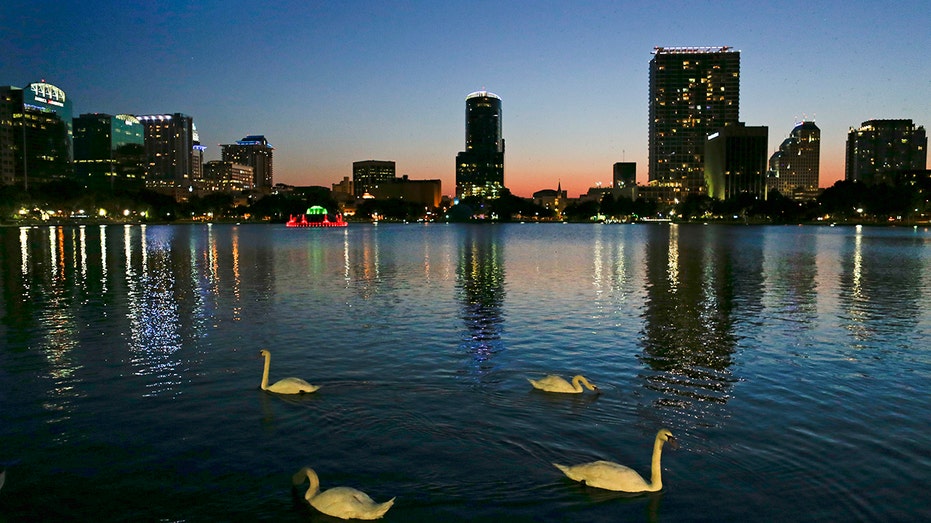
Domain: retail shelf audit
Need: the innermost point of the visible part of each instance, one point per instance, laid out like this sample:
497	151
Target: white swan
287	385
611	476
553	383
340	502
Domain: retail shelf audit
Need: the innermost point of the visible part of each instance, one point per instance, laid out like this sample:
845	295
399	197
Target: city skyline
334	84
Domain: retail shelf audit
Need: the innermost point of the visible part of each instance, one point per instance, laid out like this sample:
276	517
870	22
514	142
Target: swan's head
264	353
665	435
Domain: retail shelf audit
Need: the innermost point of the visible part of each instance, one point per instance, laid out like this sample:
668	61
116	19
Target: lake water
792	364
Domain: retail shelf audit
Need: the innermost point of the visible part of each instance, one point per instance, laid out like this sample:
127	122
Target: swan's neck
268	361
577	383
656	478
314	485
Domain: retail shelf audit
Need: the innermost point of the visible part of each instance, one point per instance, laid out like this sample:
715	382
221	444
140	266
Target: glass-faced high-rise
694	91
109	151
794	168
480	168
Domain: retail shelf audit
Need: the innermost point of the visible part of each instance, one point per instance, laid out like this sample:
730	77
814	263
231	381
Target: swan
553	383
286	385
612	476
340	502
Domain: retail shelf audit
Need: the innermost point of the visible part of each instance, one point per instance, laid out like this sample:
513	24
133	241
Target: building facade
169	142
735	161
480	168
425	192
109	151
256	152
224	176
879	149
693	92
625	175
367	175
11	135
794	168
35	134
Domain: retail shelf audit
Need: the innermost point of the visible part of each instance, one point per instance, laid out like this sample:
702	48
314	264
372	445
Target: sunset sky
329	83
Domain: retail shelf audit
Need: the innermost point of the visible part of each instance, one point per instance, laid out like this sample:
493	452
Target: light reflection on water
790	362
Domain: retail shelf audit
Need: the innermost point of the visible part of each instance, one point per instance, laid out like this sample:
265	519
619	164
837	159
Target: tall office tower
794	168
169	140
694	91
35	134
367	174
256	152
735	161
625	175
881	148
197	160
109	151
480	168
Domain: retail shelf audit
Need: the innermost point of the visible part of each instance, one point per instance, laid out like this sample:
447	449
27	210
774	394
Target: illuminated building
795	167
224	176
693	92
735	161
555	200
368	174
878	149
109	151
480	168
343	187
197	160
256	152
169	143
35	134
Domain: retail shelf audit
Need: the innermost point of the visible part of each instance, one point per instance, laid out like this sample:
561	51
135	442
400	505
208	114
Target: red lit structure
318	218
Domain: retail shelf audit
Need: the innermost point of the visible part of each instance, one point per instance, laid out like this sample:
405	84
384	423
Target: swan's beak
673	444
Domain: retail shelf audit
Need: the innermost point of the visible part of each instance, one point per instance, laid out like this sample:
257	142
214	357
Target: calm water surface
792	364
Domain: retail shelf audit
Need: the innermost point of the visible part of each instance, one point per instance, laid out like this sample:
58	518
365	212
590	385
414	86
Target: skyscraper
169	142
35	134
480	168
794	168
368	174
256	152
109	151
694	91
880	149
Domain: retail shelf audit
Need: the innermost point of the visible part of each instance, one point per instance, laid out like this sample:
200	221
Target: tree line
844	201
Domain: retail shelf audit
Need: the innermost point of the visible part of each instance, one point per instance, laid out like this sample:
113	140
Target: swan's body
340	502
553	383
611	476
287	385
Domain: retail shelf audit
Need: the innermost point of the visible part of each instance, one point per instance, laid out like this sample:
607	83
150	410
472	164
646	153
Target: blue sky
330	83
